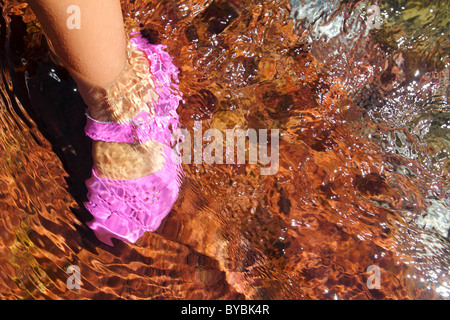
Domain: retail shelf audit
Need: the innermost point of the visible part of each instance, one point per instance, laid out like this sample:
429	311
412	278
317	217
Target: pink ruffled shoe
126	208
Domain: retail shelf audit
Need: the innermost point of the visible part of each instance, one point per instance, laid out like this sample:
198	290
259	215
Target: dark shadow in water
58	111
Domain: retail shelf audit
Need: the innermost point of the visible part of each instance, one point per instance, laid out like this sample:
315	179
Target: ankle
129	94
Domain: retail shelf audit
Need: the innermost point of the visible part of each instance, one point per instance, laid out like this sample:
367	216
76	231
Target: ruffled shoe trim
127	208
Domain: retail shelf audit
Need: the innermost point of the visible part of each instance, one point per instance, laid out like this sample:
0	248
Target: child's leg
97	50
131	115
96	56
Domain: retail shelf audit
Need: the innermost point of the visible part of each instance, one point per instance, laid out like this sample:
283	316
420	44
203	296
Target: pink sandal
125	209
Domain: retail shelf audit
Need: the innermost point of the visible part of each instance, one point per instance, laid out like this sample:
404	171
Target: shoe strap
138	131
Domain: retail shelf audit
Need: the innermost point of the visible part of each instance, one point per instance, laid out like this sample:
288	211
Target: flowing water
363	157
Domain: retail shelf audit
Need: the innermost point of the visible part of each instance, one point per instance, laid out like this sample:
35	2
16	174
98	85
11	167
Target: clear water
364	157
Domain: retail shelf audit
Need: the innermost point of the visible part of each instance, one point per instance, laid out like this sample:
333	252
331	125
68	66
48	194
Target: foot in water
135	179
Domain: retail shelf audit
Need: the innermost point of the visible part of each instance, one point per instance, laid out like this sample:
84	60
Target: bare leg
96	55
97	49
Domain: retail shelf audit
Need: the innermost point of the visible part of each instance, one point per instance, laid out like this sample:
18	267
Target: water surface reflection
363	158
